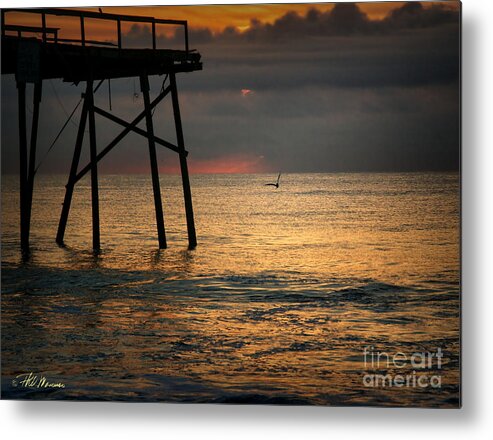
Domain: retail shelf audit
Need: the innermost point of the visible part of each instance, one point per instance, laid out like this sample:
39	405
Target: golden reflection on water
283	293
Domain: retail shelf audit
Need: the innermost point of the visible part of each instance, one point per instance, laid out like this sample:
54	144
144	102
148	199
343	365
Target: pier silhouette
38	53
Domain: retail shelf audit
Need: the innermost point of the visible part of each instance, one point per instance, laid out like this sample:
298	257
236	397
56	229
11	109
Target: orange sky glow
230	164
214	17
226	164
217	17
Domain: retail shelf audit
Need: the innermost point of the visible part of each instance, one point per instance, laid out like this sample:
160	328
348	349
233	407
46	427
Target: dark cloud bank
332	91
345	19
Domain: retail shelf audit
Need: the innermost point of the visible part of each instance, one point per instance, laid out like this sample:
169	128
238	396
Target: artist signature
31	380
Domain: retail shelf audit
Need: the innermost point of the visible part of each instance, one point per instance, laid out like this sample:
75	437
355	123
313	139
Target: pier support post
187	194
144	86
96	243
32	152
21	94
69	188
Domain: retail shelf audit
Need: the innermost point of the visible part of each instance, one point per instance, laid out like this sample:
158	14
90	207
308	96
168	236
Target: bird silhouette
274	184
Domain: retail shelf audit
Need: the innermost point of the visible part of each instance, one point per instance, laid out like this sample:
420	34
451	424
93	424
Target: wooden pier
36	53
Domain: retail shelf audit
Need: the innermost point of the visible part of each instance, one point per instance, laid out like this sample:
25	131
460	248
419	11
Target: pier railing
50	34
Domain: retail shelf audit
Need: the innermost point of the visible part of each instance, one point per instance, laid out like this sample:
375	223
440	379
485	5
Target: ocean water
276	304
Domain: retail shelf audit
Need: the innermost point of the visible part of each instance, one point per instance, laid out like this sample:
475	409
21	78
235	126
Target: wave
292	289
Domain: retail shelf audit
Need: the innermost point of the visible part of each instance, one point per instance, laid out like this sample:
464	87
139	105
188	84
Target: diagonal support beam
137	130
122	134
69	188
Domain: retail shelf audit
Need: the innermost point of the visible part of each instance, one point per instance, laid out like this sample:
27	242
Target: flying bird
274	184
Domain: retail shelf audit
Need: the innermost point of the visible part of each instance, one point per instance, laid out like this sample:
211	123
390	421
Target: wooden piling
187	193
21	93
144	85
32	152
96	242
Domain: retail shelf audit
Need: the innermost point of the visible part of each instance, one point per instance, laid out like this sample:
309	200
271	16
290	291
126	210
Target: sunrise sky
295	87
217	17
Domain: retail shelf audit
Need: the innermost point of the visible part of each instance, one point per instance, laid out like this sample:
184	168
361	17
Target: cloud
345	19
341	47
332	129
416	58
413	15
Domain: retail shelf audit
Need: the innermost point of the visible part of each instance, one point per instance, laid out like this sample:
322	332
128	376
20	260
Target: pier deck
76	63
